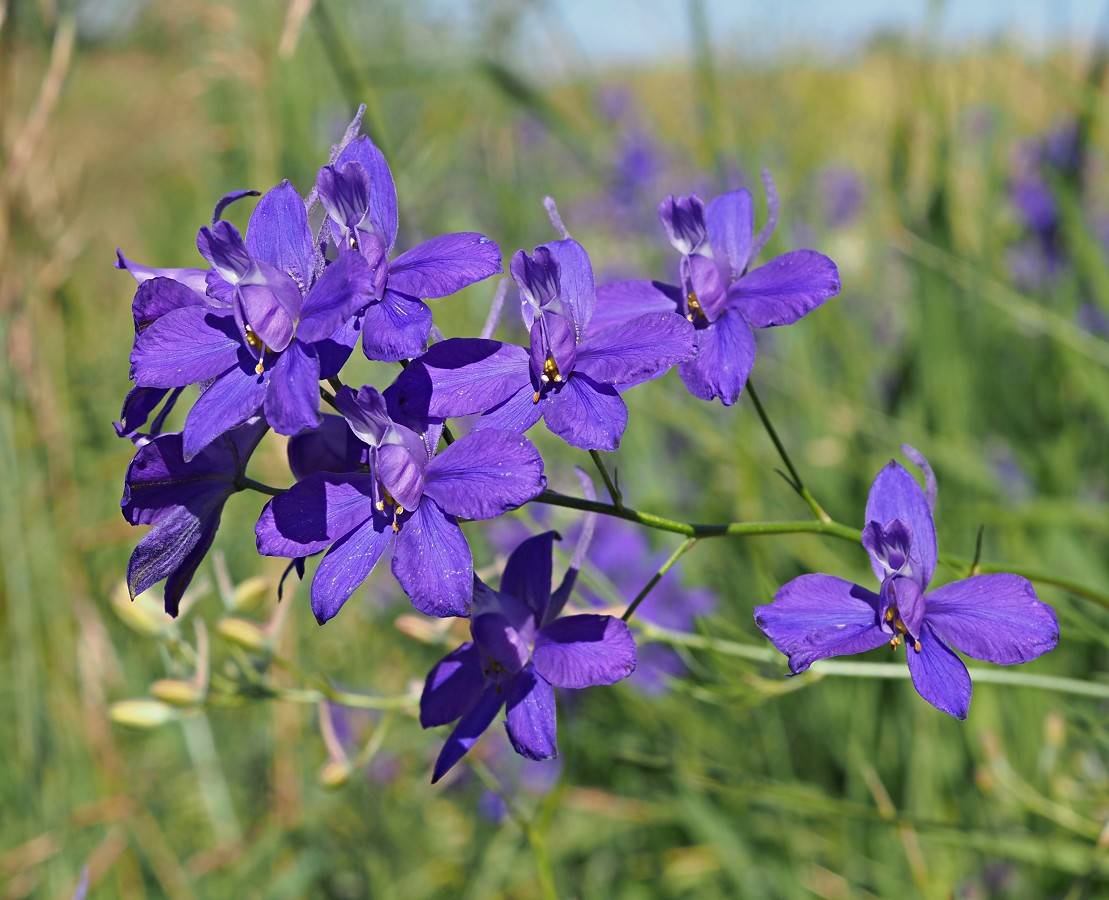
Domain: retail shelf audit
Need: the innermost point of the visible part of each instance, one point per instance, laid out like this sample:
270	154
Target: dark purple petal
997	618
785	289
335	351
707	286
485	474
453	685
395	328
293	398
445	265
527	573
185	346
159	479
400	467
530	707
939	676
139	403
433	562
684	221
817	616
313	513
469	728
582	651
623	300
278	234
383	193
730	222
725	357
500	641
347	564
227	402
461	376
330	448
906	594
346	286
172	550
895	494
194	279
552	337
586	414
223	247
636	350
537	276
345	193
365	412
576	290
158	296
269	310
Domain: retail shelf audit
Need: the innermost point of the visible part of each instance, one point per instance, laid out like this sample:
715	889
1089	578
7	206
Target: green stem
610	485
795	479
696	530
685	547
829	527
243	483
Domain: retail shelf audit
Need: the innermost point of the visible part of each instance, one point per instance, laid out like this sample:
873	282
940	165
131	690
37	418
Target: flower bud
248	635
137	615
249	594
335	773
142	714
176	692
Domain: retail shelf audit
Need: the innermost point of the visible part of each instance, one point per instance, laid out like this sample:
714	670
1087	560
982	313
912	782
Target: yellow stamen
694	307
256	342
535	398
396	527
916	646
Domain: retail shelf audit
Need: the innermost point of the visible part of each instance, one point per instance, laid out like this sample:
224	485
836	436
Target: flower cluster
265	329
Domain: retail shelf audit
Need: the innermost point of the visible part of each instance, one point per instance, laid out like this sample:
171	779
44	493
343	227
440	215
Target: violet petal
582	651
347	564
469	728
485	474
453	685
445	265
433	562
725	357
817	616
785	289
939	676
895	494
530	707
997	618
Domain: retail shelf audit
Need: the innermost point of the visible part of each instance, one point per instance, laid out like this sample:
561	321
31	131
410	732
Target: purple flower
718	293
264	338
567	377
519	653
361	202
996	618
402	495
183	499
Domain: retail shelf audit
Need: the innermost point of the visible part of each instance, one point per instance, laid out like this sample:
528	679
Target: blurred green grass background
737	782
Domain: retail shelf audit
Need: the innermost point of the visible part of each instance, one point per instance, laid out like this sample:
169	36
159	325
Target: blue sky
631	31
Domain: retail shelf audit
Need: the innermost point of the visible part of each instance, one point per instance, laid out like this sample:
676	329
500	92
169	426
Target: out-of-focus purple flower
183	499
519	653
358	193
567	377
718	294
404	496
996	618
842	193
623	555
268	336
1039	257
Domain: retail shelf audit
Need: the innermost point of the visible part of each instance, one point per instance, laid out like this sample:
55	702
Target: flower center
893	617
387	500
550	373
694	305
258	344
